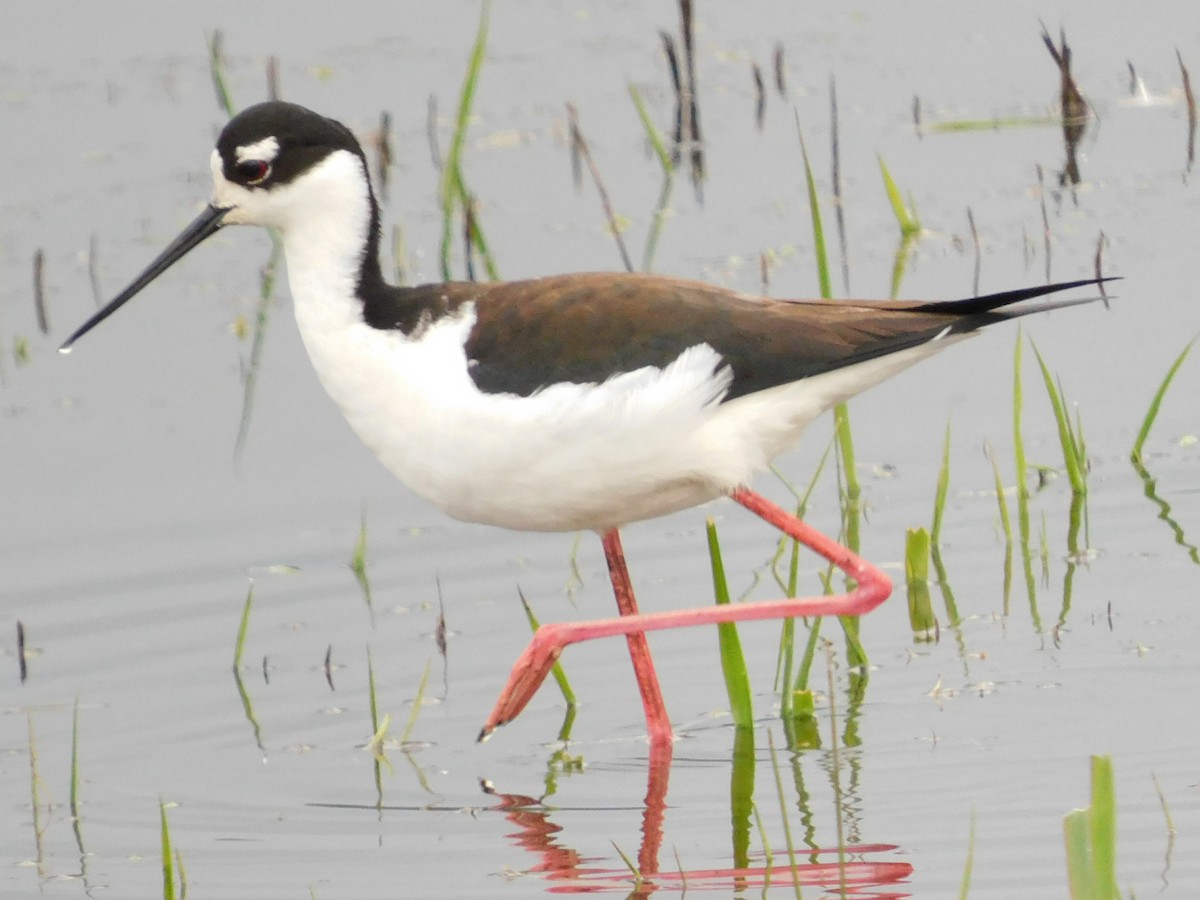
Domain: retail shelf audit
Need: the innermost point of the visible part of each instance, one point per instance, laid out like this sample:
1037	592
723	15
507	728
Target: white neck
325	252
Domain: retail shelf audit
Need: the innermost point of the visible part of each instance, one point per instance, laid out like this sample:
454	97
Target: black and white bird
583	401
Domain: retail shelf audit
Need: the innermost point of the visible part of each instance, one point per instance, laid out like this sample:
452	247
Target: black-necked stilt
572	402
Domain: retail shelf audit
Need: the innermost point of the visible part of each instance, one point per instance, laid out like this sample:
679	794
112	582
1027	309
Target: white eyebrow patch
266	150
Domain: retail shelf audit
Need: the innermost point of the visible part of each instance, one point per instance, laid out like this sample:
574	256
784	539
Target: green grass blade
216	66
1005	525
418	700
560	675
996	124
806	659
733	661
1073	455
358	565
74	790
1162	799
35	783
371	697
1023	526
652	134
814	209
943	582
262	318
845	445
243	628
916	578
943	488
659	216
379	730
632	866
168	857
1152	412
741	795
1090	838
783	814
790	587
1103	827
453	190
856	654
1079	873
906	217
1150	489
965	887
835	769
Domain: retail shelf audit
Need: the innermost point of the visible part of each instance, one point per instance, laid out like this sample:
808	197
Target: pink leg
872	588
657	723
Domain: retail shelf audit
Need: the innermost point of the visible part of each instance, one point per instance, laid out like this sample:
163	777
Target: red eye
252	171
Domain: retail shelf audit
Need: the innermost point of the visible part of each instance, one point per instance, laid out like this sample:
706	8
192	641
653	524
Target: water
132	534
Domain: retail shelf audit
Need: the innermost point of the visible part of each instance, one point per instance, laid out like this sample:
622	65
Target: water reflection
1075	110
572	872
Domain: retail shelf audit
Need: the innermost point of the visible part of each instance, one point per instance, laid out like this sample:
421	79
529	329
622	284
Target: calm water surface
132	533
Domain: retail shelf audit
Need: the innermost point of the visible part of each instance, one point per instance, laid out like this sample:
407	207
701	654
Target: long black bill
204	225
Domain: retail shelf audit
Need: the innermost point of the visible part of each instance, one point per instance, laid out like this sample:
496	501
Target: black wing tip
985	303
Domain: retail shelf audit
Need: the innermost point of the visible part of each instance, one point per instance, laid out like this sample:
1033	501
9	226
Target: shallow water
132	533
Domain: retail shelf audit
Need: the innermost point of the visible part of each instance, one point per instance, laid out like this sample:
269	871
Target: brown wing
587	328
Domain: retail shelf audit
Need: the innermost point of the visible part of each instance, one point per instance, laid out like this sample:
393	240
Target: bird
571	402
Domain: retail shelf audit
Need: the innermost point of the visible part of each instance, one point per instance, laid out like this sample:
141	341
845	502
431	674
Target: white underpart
569	457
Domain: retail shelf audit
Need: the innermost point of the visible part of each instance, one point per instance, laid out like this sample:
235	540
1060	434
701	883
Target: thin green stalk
845	440
943	488
965	887
658	218
733	661
35	781
262	318
806	659
76	819
243	628
74	790
783	814
1006	526
652	134
741	797
1171	830
835	769
1023	526
788	689
454	192
416	704
168	857
358	565
995	124
814	208
216	66
1074	457
906	216
379	729
1152	413
768	857
1150	489
845	444
638	880
560	675
910	227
